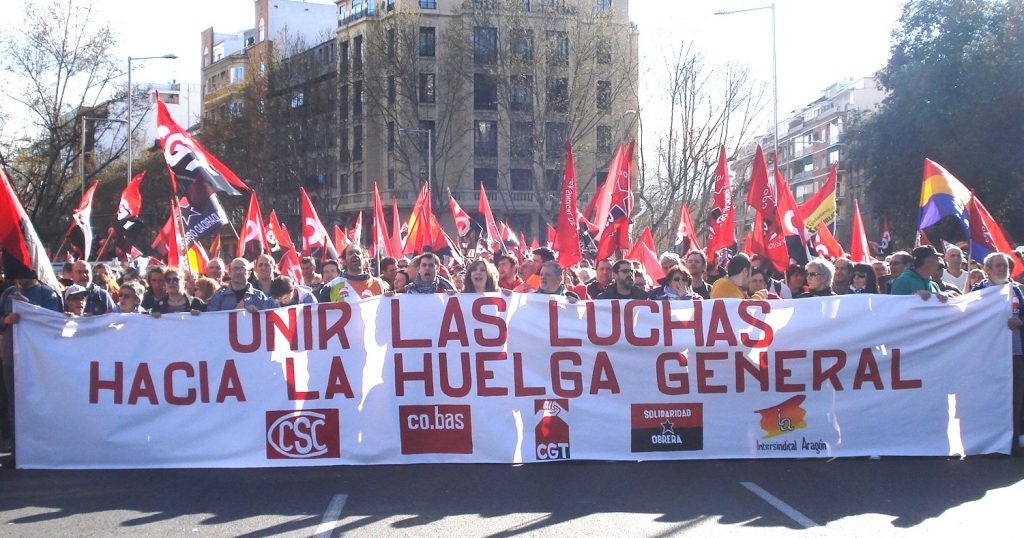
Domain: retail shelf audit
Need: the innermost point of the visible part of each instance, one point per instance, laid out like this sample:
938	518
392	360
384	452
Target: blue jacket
225	299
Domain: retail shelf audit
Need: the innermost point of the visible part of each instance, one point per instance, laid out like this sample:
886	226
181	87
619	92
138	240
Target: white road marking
789	511
332	516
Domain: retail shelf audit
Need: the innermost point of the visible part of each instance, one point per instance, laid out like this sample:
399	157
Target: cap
923	252
75	290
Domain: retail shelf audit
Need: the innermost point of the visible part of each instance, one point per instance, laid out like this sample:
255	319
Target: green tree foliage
956	95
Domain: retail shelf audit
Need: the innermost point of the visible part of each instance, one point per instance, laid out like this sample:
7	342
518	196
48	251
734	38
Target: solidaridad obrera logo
779	421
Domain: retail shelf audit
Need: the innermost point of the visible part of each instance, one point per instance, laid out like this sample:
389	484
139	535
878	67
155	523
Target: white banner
490	378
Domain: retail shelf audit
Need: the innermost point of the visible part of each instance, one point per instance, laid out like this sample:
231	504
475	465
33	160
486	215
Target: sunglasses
812	274
172	280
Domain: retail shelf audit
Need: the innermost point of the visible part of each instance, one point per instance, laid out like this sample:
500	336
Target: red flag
552	241
131	199
277	236
396	230
21	246
524	247
620	194
215	247
747	246
314	235
859	251
254	235
341	239
169	241
380	245
491	231
721	216
643	251
356	233
602	203
188	160
793	227
289	265
825	243
568	231
413	243
987	236
755	239
463	222
685	234
763	197
615	236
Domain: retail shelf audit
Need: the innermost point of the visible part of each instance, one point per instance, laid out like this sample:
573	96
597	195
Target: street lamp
130	59
775	76
83	141
430	152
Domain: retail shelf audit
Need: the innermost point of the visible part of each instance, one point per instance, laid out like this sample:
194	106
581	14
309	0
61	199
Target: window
357	53
391	136
391	42
357	182
833	156
357	99
485	92
604	140
553	180
298	99
808	163
343	102
604	95
604	5
521	93
555	136
604	51
428	41
237	74
521	146
427	88
558	47
357	143
522	180
343	183
391	90
522	45
344	58
488	177
485	139
485	45
558	95
428	4
391	180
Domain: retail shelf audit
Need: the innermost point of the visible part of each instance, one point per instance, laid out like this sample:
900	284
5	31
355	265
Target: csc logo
303	434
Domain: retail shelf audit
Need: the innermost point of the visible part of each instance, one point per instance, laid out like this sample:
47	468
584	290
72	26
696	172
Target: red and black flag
196	177
24	256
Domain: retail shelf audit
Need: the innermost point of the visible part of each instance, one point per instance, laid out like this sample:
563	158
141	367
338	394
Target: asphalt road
849	497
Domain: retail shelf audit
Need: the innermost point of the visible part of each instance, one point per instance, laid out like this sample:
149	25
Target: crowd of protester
100	288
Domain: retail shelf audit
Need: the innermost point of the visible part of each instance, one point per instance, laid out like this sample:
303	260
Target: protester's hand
942	297
17	296
11	319
1014	323
924	295
450	292
389	293
155	314
251	309
523	288
194	312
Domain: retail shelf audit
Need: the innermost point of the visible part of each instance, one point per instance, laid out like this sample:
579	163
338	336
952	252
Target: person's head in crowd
74	299
639	275
758	281
81	273
998	267
190	283
862	278
388	268
899	261
570	278
954	258
238	273
679	279
667	260
585	274
175	280
307	266
844	267
215	269
331	270
428	267
528	268
880	268
263	267
155	281
129	296
101	275
757	261
282	290
820	273
481	276
205	287
738	270
543	254
550	277
507	265
796	277
973	277
401	280
403	264
604	272
624	276
414	265
697	264
355	259
926	260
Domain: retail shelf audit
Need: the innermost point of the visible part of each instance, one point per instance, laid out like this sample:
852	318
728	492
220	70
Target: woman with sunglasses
677	286
176	300
819	279
130	297
862	279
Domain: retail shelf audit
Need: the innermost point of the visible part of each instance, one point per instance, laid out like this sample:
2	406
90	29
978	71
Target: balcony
501	200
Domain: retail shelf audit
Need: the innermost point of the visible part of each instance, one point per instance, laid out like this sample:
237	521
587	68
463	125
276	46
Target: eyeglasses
812	274
172	280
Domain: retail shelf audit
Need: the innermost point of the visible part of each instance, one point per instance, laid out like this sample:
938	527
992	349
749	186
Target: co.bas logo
303	434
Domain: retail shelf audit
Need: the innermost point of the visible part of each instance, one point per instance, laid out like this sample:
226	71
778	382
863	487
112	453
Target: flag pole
106	243
970	236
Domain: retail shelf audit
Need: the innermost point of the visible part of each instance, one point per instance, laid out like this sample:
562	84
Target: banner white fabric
520	378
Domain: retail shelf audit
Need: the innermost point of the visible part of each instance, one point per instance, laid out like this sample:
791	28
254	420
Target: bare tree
706	107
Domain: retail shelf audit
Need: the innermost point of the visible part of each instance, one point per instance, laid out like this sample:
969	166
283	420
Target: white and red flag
315	240
254	236
686	236
721	215
79	233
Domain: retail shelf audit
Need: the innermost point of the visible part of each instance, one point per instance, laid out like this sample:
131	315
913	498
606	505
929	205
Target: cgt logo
303	434
436	429
552	431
